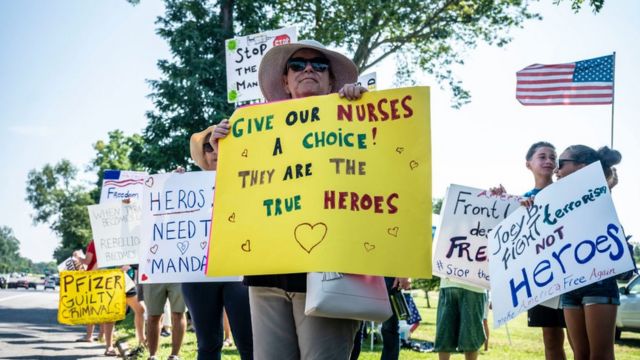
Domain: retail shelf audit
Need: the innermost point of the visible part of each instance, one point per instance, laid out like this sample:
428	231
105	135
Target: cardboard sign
91	297
368	80
119	185
175	227
116	232
69	265
243	61
326	184
468	215
570	238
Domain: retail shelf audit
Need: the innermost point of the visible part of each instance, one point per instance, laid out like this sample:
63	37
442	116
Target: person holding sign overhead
590	311
281	330
207	300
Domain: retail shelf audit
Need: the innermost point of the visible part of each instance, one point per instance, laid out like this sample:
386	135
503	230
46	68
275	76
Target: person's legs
600	320
444	356
179	324
138	321
236	302
108	338
553	339
153	333
357	343
204	301
577	332
226	328
155	296
390	339
273	325
320	337
178	319
485	324
473	355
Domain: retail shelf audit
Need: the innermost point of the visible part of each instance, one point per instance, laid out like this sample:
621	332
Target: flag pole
613	94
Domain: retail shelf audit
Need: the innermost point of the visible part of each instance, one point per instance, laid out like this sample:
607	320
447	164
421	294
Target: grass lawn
525	342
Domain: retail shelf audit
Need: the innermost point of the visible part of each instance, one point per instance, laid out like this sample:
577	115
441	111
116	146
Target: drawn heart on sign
413	164
245	153
393	231
399	150
203	245
144	277
309	236
154	249
246	246
369	247
149	181
232	217
183	246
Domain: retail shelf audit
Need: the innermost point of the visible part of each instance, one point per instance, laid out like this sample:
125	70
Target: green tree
61	203
576	5
114	154
9	250
191	94
428	36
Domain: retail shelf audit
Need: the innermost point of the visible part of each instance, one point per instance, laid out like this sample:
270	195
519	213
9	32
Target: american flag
586	82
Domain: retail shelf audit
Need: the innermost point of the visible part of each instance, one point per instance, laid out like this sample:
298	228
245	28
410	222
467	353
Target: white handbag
347	296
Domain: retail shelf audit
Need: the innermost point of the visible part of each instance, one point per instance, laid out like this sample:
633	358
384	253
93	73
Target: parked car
3	282
21	283
49	284
628	317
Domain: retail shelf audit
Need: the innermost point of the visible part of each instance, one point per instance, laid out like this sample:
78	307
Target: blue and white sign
176	220
570	238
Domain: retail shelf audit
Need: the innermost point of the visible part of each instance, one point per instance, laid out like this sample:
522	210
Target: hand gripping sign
326	184
569	239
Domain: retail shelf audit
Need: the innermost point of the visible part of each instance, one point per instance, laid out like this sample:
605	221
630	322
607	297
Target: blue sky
73	70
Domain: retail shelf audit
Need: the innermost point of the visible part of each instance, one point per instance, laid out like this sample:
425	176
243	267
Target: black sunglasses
562	161
318	64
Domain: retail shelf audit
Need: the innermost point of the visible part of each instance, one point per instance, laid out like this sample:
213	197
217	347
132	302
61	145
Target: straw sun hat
196	145
274	61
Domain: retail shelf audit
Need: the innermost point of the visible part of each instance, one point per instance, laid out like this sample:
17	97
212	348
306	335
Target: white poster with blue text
570	238
468	215
119	185
175	227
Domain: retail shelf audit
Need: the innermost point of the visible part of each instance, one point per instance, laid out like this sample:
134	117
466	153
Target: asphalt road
29	328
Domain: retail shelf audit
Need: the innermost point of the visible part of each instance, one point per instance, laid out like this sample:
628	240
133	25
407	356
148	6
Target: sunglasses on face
207	147
561	162
299	64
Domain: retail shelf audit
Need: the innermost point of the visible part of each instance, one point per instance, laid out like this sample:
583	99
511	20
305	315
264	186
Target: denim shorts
601	292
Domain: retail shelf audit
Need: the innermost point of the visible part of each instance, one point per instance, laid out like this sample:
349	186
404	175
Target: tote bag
347	296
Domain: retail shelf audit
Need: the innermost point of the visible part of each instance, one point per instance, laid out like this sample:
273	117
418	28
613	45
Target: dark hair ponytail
586	155
608	158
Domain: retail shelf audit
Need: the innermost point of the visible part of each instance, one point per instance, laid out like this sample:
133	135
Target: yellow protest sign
326	184
91	297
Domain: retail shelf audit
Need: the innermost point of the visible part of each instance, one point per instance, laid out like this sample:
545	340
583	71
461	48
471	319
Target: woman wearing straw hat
281	330
207	300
